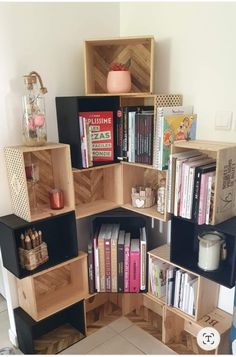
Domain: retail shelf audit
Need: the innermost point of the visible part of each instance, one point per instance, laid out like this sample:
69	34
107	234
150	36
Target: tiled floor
120	337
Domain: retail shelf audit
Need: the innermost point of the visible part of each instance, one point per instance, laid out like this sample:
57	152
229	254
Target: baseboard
13	338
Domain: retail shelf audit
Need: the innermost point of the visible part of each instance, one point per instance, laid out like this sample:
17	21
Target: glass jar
34	130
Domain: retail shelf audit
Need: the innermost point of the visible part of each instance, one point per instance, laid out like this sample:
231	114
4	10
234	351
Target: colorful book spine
119	135
91	273
96	262
203	198
120	261
210	197
134	266
107	252
101	255
114	240
143	258
126	262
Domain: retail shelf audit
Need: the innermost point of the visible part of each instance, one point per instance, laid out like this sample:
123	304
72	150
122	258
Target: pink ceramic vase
118	82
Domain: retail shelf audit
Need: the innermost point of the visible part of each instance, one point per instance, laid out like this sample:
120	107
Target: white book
192	296
177	288
143	258
131	137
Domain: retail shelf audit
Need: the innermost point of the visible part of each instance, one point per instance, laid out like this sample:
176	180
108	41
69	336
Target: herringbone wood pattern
57	340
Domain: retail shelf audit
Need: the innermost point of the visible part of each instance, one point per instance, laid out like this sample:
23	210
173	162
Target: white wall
48	38
195	56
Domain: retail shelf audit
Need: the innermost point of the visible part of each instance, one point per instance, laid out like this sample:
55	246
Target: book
134	266
175	128
91	273
171	175
197	183
131	136
101	257
119	135
210	197
107	255
143	258
187	182
114	240
203	197
102	134
168	130
191	308
96	262
126	263
120	261
169	285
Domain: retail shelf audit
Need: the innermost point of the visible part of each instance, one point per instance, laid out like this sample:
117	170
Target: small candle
209	250
56	199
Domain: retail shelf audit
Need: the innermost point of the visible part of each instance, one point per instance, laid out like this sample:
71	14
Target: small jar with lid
34	130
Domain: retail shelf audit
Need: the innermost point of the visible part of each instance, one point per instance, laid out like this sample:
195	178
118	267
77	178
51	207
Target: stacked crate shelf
54	164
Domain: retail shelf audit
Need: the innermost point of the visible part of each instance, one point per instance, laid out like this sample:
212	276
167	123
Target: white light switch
223	120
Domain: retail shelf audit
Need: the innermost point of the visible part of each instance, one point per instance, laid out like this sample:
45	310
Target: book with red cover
134	266
126	262
101	124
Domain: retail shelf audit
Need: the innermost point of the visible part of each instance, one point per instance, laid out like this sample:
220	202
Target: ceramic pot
118	82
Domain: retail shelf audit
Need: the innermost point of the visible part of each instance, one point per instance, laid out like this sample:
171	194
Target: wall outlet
223	120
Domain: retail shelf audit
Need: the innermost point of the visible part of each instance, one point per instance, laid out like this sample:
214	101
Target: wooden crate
99	54
58	232
53	289
184	233
204	302
141	175
175	326
225	186
31	201
52	334
97	189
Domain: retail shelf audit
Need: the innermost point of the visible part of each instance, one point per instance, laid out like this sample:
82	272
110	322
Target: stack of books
191	183
117	262
135	129
176	287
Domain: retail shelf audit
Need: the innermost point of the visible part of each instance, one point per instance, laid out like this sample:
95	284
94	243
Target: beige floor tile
145	342
90	342
4	327
120	324
117	345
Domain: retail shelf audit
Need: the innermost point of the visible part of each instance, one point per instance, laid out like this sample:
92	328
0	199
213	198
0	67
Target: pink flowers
36	121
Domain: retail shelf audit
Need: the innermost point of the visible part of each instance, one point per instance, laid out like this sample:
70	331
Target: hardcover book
101	257
126	262
91	273
120	261
134	266
101	126
143	258
114	240
107	252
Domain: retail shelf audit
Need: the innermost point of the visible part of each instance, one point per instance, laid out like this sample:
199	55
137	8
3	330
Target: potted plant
118	79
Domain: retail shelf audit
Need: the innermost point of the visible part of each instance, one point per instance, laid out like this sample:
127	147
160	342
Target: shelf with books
118	250
97	189
136	175
135	52
207	200
33	172
52	334
55	288
28	248
221	266
186	295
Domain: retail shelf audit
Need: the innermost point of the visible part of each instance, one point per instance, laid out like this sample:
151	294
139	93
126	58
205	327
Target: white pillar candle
209	251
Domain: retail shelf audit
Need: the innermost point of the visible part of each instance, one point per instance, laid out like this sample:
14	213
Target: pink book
126	262
203	198
134	266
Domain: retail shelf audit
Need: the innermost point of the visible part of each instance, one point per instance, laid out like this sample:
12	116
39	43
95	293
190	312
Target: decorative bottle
34	129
